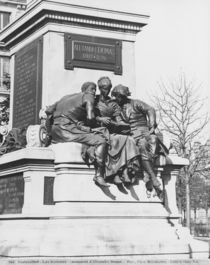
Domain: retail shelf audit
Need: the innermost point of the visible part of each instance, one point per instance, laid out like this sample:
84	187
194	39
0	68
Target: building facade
9	11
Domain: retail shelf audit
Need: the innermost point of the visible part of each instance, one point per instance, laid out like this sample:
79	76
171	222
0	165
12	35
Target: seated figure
122	161
71	118
142	120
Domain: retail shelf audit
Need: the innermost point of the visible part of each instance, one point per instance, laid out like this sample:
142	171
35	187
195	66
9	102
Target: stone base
139	238
88	221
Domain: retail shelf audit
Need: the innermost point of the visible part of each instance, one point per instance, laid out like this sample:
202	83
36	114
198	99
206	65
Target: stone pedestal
87	221
32	166
169	175
113	222
76	193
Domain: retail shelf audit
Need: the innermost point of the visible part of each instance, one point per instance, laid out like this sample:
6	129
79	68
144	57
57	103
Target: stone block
67	153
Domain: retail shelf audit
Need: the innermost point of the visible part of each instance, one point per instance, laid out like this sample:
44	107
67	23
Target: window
4	19
4	73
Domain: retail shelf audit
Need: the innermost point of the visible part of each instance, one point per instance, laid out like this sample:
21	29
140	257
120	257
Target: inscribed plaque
27	85
11	194
93	53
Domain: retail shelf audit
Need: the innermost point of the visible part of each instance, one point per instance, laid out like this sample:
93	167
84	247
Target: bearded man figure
142	120
72	118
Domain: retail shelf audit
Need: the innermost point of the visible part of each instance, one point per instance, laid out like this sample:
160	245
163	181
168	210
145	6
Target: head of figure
121	94
89	88
104	85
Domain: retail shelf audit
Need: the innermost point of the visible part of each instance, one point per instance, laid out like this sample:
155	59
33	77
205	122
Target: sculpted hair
86	85
121	90
104	81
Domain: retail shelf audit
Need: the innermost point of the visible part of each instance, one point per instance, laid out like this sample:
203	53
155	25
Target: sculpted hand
105	120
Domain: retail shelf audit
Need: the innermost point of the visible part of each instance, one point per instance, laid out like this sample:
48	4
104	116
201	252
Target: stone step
95	237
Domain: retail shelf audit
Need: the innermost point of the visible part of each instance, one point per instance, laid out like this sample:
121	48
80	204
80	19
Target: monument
49	203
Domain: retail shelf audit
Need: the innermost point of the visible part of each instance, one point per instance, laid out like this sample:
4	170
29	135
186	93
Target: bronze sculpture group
117	133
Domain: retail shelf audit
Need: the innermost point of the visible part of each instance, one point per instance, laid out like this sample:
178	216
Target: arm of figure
49	110
150	113
116	123
90	110
89	106
48	121
121	126
119	122
107	120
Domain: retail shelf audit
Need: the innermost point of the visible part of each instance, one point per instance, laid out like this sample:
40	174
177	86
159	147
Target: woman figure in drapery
122	162
142	120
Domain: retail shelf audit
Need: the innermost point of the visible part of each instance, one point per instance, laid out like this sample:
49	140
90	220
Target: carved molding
96	21
35	18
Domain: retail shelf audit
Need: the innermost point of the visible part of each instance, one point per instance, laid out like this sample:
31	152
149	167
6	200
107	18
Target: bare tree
180	115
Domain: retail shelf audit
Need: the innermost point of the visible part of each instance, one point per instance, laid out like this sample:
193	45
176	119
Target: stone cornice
13	4
46	11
